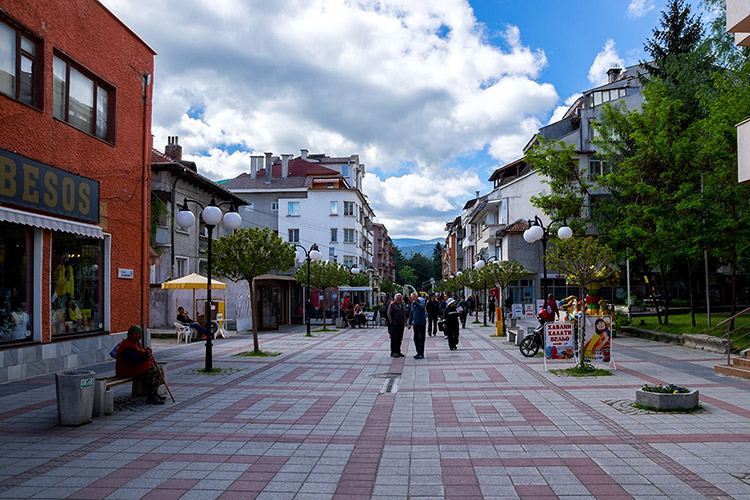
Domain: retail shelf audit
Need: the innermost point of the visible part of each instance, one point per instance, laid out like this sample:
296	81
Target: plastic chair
183	331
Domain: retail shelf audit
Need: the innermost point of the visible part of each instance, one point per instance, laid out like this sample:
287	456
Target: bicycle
531	344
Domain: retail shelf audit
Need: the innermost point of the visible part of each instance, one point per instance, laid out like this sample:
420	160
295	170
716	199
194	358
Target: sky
433	95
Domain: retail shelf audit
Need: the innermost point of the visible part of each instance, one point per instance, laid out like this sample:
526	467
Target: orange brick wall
89	34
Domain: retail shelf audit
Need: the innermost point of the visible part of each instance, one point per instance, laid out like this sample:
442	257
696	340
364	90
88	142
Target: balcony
738	21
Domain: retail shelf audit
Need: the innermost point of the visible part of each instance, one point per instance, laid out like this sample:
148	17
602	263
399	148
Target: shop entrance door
270	311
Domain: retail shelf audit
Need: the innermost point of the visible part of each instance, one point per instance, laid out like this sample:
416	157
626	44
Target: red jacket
131	359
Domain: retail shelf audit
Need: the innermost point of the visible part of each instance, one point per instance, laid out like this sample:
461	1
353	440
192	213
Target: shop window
20	66
15	282
77	288
82	99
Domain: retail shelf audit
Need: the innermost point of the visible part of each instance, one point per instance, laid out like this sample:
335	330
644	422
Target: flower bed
666	397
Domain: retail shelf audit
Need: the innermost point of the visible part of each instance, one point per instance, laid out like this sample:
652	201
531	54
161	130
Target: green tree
248	253
359	279
583	261
407	276
437	262
680	34
323	275
501	273
388	286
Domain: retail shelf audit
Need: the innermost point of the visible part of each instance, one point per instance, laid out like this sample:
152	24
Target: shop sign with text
28	183
559	340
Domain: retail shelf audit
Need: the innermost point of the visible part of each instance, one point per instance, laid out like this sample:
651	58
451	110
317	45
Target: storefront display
76	284
15	280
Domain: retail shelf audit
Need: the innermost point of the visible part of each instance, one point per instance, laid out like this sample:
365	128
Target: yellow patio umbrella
193	282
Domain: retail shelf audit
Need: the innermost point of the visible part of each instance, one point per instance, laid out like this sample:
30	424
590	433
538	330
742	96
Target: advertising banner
539	305
598	339
559	341
529	310
518	310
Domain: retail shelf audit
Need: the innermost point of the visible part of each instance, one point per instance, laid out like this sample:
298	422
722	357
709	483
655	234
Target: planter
667	401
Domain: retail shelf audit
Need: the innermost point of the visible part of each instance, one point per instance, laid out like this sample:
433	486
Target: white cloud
639	8
604	60
396	81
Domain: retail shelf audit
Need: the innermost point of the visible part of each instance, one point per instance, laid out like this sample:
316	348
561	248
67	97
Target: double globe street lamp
212	216
312	254
537	231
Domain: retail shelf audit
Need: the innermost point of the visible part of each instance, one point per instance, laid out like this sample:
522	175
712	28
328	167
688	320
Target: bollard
75	396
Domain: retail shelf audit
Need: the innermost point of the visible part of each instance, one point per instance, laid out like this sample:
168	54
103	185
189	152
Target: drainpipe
146	208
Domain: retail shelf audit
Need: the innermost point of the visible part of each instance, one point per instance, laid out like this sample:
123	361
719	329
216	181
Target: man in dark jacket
451	318
397	319
433	313
463	309
132	360
418	319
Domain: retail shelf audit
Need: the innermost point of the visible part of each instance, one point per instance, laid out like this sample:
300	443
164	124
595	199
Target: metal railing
730	332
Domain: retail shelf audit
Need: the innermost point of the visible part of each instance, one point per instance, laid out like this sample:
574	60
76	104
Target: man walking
397	319
433	313
451	319
463	309
418	320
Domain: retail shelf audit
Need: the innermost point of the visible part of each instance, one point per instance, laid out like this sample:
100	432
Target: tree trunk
664	293
254	316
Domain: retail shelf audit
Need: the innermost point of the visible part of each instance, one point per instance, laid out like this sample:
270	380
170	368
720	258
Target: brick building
75	152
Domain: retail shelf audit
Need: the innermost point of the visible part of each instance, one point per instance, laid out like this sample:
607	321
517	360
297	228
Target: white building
738	22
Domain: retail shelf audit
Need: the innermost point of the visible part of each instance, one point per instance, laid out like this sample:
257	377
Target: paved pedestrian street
334	416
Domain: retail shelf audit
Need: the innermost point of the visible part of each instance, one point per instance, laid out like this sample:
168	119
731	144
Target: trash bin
75	396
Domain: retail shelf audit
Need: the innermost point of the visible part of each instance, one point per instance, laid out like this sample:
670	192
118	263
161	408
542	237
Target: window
349	208
349	261
182	266
274	206
77	289
82	99
20	65
334	235
602	96
345	170
597	168
334	208
294	236
16	282
293	209
350	236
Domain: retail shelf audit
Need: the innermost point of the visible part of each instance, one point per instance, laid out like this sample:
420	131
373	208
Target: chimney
285	165
303	154
253	167
613	74
173	150
269	165
477	195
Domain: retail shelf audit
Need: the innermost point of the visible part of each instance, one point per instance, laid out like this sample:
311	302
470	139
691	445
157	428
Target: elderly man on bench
133	360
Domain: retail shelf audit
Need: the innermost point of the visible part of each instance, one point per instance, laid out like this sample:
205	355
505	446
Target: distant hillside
409	246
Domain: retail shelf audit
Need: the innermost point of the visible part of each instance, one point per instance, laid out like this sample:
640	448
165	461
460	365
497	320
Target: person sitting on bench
184	318
132	360
360	320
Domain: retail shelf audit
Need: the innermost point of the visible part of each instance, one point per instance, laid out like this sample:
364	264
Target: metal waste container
75	396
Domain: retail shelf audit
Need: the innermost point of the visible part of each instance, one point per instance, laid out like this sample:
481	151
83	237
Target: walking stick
161	374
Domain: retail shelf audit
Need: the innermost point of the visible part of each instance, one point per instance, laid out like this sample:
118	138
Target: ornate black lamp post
312	254
537	232
211	215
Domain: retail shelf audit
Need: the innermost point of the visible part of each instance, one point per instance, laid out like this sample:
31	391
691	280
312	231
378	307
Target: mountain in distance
410	246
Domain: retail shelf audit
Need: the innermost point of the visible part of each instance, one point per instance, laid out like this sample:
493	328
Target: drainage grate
390	385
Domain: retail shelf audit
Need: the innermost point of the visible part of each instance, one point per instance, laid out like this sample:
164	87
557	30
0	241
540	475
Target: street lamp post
537	231
211	215
479	264
312	254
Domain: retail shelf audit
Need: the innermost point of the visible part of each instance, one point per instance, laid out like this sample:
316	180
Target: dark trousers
419	334
397	335
452	337
463	320
432	322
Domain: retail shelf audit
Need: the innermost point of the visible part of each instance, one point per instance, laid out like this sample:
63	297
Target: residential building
496	221
183	251
382	255
310	199
738	22
75	122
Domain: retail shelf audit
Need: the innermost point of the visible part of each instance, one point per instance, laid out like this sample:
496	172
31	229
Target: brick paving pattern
335	417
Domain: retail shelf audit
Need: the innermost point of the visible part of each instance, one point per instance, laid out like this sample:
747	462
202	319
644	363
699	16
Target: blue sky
433	95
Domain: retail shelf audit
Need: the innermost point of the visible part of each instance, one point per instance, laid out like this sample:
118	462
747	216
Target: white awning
52	223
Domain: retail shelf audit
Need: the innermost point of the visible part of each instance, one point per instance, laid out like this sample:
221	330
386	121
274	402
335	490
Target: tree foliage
248	253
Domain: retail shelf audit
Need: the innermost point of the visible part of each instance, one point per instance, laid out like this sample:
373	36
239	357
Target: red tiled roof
298	168
159	157
516	227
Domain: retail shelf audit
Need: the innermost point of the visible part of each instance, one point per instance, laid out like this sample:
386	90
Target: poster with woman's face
598	339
